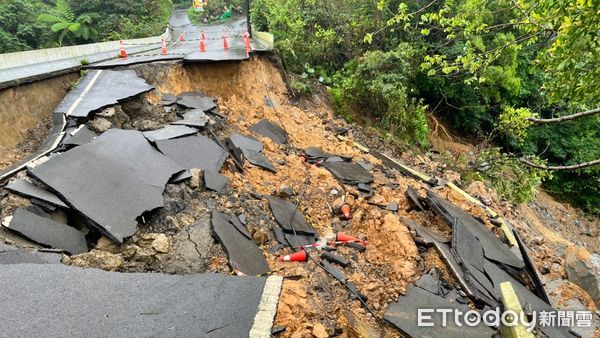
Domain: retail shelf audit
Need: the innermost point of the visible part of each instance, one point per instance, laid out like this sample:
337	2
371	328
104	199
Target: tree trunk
565	118
556	168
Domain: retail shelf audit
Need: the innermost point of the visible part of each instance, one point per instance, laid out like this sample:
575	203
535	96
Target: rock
98	259
107	112
100	125
539	240
147	125
161	243
285	190
319	331
393	206
105	244
581	270
196	180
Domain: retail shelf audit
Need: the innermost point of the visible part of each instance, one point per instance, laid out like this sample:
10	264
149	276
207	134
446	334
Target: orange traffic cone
247	42
300	256
181	37
225	44
202	37
342	237
123	52
163	47
202	44
345	210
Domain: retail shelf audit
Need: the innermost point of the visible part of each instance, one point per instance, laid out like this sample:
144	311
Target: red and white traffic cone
300	256
225	44
163	47
181	37
123	53
202	43
343	238
247	42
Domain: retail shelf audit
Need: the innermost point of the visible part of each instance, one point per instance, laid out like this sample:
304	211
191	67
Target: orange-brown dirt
313	303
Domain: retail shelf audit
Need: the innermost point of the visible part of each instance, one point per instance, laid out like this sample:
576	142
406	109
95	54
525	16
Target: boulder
582	270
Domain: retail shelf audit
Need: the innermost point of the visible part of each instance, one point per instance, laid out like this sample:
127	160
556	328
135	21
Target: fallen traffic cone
247	42
123	52
163	47
343	238
300	256
181	37
345	210
225	44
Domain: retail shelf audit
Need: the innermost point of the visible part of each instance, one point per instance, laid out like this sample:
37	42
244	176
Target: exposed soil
177	238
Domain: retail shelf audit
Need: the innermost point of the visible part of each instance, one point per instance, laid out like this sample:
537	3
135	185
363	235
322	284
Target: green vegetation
33	24
487	68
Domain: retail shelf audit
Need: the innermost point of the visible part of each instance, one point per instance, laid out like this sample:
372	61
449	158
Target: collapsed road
218	208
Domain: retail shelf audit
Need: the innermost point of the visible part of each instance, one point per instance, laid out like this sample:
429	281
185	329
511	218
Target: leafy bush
512	180
380	84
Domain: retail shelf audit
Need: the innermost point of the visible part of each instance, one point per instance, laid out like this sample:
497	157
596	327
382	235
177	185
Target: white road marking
267	308
85	91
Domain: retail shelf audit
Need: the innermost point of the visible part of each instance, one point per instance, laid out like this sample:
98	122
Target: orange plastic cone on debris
123	52
225	44
345	209
181	37
300	256
342	237
163	47
247	42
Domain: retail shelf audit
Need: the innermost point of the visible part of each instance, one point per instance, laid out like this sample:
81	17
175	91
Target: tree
63	20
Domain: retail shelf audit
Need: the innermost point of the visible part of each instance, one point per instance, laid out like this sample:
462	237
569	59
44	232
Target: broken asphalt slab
14	255
191	152
48	232
100	89
215	181
111	180
243	253
493	247
348	172
24	188
271	130
195	100
289	216
53	300
251	149
169	132
79	137
403	314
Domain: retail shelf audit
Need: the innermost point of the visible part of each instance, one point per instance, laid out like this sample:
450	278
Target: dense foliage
32	24
482	66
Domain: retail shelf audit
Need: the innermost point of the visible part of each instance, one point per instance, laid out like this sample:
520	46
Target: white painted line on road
85	91
263	321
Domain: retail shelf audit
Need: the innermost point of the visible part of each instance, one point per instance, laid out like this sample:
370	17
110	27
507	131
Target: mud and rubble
178	238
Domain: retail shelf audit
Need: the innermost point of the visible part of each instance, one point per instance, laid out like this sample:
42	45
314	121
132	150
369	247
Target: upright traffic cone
202	44
163	47
342	237
123	52
181	37
300	256
247	42
225	44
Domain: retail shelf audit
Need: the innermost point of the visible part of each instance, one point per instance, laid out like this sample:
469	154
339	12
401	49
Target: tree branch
564	118
556	168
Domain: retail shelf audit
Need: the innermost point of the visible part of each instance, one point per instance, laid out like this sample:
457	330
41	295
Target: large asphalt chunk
251	149
348	172
270	130
244	255
403	314
100	89
14	255
493	248
111	180
195	100
48	232
169	132
25	188
289	217
54	300
194	152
